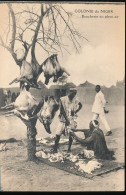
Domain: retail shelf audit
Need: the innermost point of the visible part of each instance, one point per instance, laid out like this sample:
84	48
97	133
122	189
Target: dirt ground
19	175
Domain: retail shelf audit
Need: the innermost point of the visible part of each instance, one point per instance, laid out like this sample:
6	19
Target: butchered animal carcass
52	68
23	106
48	112
26	75
27	70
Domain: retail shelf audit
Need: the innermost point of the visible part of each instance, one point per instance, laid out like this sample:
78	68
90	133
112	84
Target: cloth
62	127
98	109
99	103
97	143
103	119
69	107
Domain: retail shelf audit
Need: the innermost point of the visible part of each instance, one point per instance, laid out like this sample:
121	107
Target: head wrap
95	123
72	89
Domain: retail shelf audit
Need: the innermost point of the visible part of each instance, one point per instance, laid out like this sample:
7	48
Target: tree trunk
32	132
31	140
31	143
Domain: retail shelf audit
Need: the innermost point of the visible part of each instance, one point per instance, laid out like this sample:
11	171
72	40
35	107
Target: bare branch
43	32
36	33
3	45
25	11
14	26
74	38
75	32
55	20
44	48
35	36
50	45
55	26
8	29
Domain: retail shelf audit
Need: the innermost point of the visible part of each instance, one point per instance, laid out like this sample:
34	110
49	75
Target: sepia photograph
62	96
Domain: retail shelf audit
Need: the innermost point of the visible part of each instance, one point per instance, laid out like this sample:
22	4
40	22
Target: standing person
99	110
69	106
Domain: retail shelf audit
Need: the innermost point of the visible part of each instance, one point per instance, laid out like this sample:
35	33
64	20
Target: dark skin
87	132
82	141
96	142
71	95
88	136
97	89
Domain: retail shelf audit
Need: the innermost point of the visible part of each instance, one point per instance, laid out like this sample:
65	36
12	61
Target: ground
19	175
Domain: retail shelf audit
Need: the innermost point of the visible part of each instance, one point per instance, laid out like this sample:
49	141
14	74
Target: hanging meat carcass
52	68
26	75
47	112
48	69
29	72
24	104
26	70
58	69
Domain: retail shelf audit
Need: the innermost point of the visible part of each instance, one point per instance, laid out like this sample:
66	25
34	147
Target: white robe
99	103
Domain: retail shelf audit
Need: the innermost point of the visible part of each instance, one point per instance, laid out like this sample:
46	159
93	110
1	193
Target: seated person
95	140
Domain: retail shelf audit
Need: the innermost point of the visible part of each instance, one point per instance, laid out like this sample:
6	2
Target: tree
45	32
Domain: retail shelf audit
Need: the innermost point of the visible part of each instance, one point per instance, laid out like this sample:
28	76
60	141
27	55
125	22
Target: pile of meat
80	164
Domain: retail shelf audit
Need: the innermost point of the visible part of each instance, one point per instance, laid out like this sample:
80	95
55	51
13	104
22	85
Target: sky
101	59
